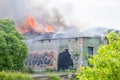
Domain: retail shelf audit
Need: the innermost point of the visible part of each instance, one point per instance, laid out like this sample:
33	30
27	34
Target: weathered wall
44	53
91	42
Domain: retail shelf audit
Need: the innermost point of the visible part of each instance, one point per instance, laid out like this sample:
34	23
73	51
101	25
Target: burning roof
33	25
38	21
32	17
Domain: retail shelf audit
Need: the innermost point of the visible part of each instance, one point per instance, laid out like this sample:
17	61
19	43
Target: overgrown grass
74	77
14	76
54	77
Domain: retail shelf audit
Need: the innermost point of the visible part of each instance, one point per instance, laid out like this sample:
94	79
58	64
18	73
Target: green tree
13	50
105	64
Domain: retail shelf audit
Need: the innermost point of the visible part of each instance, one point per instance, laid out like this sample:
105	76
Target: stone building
45	53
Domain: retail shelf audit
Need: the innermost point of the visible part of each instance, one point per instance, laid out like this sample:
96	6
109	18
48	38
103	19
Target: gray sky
88	13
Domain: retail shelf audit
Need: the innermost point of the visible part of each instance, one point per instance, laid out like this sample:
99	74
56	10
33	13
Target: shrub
105	64
13	51
14	76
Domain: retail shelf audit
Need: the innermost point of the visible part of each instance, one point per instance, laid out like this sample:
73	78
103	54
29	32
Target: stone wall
43	54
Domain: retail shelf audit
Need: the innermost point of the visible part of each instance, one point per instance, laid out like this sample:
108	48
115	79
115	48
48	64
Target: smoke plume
41	11
20	9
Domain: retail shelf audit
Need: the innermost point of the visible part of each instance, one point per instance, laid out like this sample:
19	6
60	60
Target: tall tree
13	50
105	64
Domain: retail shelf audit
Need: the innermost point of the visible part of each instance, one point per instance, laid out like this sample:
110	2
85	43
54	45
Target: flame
49	29
23	29
26	30
31	22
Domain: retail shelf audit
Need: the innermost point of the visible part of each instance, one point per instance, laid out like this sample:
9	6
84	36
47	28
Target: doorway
64	60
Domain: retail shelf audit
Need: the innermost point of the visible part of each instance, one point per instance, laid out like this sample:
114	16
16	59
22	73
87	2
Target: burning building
58	47
33	29
48	36
50	52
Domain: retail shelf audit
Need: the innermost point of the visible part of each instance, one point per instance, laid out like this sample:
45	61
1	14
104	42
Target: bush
13	51
105	64
14	76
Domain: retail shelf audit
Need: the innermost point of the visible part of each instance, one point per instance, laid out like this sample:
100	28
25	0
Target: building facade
45	53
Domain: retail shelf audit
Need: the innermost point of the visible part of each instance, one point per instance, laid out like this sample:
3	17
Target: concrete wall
44	53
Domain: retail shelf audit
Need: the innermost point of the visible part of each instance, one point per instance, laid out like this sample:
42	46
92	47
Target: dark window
90	51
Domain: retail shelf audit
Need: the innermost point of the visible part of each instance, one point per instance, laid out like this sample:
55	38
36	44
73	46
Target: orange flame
31	22
49	29
22	29
26	30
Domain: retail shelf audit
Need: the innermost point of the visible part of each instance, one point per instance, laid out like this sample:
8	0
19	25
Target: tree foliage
105	64
12	50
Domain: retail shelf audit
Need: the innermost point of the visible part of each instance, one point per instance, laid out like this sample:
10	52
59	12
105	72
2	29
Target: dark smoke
20	9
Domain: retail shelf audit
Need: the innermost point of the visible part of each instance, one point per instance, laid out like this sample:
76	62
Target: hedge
14	76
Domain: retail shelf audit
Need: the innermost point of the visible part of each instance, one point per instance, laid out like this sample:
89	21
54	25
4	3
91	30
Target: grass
56	72
53	75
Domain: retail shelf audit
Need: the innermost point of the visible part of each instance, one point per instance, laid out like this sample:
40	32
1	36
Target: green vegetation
14	76
74	78
12	50
30	70
106	64
49	70
54	77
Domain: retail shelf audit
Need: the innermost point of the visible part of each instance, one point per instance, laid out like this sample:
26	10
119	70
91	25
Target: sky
89	13
81	13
